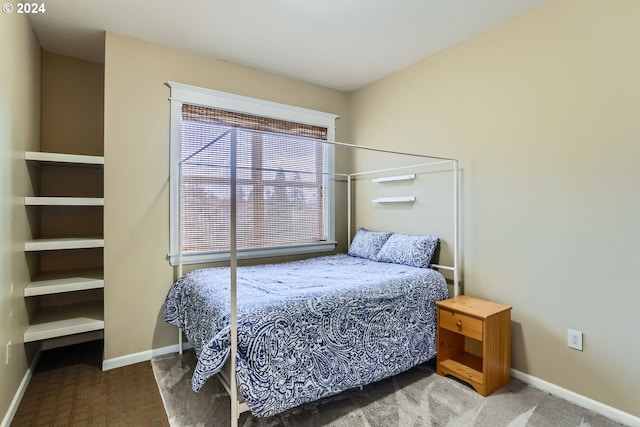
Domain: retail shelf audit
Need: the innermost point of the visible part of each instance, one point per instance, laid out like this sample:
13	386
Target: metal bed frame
228	380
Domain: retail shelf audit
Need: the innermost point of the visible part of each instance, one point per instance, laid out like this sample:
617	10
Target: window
284	187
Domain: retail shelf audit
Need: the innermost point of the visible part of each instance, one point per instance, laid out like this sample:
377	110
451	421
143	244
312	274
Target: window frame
193	95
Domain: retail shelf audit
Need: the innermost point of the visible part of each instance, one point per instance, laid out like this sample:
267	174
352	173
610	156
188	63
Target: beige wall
542	112
137	275
72	122
19	131
72	105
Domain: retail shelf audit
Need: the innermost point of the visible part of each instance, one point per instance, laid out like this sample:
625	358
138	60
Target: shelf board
78	159
465	365
63	320
72	339
398	199
64	201
394	178
63	243
68	281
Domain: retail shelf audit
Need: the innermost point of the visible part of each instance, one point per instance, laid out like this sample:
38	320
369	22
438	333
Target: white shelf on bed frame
396	178
398	199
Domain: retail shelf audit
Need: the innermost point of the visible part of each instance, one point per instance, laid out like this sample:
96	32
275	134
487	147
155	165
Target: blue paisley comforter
308	329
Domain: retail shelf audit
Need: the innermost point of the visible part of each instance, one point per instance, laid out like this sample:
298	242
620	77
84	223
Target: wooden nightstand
474	342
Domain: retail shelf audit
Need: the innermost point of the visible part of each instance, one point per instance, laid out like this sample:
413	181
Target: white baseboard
17	398
130	359
578	399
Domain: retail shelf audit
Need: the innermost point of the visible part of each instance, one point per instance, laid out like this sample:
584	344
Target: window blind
280	180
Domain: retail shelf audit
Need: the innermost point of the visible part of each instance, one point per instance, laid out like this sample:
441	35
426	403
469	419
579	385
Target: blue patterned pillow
408	249
367	244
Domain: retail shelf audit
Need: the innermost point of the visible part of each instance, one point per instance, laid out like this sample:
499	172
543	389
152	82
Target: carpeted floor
416	398
68	388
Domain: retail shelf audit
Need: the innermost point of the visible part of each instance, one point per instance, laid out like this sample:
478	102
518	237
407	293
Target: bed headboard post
456	242
348	211
233	252
179	226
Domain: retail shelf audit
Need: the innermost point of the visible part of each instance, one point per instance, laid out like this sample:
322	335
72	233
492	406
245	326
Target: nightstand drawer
460	323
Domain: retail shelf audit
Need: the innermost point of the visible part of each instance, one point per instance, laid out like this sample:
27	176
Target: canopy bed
298	331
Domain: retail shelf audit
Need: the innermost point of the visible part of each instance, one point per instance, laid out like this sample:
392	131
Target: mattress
308	329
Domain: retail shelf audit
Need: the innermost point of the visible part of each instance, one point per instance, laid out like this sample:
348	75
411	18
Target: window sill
220	256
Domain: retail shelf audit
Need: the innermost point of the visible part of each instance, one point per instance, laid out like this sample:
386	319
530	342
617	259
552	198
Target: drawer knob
459	323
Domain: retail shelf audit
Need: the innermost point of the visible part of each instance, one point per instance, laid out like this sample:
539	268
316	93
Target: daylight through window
284	190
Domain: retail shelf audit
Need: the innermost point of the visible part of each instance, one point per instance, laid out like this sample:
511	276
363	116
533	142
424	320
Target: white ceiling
341	44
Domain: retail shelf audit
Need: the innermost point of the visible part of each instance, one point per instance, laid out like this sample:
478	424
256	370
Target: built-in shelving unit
76	316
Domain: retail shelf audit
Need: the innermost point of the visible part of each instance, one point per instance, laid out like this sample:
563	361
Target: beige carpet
415	398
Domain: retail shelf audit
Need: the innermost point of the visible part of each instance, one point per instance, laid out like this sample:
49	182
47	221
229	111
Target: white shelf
72	339
410	177
401	199
63	320
67	281
63	243
78	159
64	201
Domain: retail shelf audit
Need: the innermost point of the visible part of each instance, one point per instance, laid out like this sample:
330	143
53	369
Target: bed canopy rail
350	179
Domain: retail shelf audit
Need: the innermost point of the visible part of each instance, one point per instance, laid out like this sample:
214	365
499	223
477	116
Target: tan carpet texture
416	398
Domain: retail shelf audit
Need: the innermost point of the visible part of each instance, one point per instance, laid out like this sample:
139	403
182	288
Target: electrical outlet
8	354
574	339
